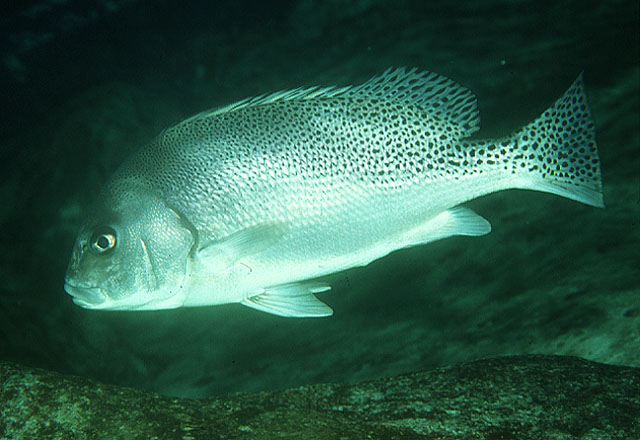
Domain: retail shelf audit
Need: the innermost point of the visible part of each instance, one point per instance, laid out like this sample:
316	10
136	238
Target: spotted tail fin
559	150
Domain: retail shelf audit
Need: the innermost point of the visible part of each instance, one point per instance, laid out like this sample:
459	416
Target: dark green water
86	83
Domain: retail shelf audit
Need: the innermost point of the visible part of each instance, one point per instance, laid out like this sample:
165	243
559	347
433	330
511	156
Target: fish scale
248	202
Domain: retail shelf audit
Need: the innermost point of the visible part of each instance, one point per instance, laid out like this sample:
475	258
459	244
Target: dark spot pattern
318	151
558	148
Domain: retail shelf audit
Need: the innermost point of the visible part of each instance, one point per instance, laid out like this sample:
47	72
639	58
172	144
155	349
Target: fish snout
86	297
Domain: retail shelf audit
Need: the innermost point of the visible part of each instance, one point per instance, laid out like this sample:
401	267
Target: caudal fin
558	151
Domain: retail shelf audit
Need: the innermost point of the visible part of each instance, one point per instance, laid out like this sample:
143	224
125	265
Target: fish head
130	254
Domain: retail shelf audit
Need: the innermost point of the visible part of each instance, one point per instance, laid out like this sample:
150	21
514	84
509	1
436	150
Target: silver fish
250	202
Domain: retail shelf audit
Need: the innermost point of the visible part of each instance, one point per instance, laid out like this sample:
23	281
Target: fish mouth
86	297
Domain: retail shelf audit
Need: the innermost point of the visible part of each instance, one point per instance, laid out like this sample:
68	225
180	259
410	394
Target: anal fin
454	221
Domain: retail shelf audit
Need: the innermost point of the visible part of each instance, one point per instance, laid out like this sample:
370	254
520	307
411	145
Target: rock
508	398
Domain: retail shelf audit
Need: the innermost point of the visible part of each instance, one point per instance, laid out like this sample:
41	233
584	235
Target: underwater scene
320	219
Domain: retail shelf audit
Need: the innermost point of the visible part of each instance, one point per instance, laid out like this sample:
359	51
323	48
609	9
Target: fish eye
103	239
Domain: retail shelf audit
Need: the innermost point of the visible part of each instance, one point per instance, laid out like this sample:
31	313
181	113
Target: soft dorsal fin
435	94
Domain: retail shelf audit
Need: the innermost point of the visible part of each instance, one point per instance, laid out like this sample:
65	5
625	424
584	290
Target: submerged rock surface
518	397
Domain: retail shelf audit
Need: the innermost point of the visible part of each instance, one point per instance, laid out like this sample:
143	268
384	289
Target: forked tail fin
558	150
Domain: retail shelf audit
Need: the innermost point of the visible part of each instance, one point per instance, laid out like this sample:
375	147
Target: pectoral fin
295	300
218	255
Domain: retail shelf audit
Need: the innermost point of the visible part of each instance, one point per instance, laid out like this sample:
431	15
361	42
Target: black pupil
103	239
103	242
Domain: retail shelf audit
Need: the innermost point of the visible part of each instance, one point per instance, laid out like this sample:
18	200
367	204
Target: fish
254	201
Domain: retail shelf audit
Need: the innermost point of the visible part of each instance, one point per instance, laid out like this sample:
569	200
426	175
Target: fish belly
359	232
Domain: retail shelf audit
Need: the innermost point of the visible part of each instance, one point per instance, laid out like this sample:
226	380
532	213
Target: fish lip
85	296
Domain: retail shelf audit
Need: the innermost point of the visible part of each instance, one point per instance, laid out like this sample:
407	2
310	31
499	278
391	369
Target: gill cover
131	254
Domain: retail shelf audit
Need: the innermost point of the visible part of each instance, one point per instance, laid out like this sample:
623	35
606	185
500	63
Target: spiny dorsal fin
435	94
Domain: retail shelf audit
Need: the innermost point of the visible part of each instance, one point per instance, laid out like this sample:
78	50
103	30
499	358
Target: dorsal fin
283	95
434	93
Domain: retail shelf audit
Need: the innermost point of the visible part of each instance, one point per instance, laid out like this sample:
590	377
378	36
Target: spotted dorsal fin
434	94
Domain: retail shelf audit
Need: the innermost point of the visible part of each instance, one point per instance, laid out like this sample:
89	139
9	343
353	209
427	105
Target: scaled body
248	202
